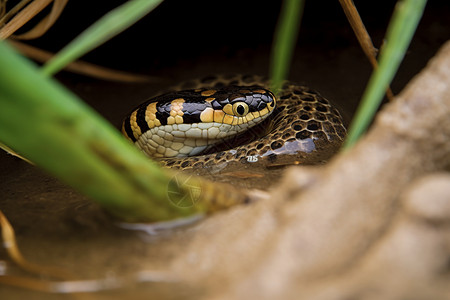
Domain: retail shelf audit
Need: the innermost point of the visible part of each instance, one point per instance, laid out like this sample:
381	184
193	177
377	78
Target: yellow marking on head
210	99
208	93
134	126
176	112
271	105
227	119
207	115
259	91
228	109
176	107
218	116
150	114
264	112
255	114
178	101
179	119
249	117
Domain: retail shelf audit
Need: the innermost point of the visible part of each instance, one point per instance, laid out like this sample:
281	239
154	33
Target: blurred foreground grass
48	125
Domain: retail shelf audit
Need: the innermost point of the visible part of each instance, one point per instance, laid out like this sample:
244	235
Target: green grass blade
284	41
49	125
401	29
108	26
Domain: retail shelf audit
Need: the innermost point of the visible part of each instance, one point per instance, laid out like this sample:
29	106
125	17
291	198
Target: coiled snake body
235	120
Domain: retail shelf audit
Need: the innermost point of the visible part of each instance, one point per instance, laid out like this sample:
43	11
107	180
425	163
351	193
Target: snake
219	120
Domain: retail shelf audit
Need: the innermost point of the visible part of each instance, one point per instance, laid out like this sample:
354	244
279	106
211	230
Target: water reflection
294	147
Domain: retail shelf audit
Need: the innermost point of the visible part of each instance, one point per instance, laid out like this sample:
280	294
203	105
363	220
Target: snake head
185	123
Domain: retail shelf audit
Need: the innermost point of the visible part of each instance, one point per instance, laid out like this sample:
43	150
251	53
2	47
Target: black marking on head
192	111
216	105
127	128
140	118
163	111
261	105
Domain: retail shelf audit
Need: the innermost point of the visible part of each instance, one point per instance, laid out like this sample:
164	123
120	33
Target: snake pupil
240	109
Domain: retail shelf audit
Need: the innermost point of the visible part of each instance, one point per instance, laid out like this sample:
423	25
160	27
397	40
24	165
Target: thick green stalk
47	124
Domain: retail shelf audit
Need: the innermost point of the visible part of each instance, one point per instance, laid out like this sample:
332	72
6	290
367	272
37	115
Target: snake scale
235	119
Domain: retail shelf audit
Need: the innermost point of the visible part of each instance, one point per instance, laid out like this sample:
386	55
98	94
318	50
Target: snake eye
240	109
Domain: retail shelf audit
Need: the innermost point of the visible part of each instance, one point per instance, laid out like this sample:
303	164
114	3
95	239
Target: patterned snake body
235	119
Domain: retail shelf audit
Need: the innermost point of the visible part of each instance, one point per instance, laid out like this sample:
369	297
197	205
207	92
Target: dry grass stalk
363	36
84	68
45	24
22	17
